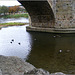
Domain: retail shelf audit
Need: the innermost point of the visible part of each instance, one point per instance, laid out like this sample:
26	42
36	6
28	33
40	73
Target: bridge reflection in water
53	52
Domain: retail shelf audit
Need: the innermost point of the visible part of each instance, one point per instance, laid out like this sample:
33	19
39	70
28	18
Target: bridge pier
65	14
50	14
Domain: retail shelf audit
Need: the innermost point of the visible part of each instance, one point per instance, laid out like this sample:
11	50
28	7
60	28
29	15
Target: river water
52	52
21	19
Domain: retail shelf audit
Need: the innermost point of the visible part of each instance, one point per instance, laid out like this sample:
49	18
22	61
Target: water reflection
55	54
21	19
52	52
19	34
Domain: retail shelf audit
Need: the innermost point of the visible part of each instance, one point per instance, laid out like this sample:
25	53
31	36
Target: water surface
13	48
52	52
21	19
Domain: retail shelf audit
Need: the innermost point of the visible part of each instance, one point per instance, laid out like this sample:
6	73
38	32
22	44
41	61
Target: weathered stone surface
16	66
51	30
40	12
51	13
37	72
58	73
0	72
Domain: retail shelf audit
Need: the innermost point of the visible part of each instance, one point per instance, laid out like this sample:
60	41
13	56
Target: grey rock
16	66
58	73
38	72
42	72
0	72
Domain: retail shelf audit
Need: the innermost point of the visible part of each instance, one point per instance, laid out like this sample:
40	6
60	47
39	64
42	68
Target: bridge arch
40	12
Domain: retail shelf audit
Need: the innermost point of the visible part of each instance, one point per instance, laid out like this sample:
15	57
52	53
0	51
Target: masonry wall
41	13
51	13
65	14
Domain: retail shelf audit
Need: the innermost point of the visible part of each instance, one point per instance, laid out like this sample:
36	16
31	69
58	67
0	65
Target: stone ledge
51	30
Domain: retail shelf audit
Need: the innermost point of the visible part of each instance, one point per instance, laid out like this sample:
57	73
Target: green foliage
16	16
22	10
13	9
0	10
12	24
3	9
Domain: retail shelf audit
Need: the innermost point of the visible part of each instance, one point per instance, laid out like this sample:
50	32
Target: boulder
16	66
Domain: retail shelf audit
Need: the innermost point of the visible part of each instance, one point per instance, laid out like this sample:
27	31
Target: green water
53	52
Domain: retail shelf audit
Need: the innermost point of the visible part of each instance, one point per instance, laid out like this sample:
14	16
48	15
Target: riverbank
16	66
25	15
12	24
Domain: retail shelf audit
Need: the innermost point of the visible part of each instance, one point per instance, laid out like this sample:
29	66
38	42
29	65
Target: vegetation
16	15
11	24
13	9
12	12
3	10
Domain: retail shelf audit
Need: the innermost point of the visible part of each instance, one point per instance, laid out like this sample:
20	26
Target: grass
16	15
14	23
11	24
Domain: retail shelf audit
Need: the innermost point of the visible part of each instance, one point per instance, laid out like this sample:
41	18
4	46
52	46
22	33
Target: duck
12	40
19	43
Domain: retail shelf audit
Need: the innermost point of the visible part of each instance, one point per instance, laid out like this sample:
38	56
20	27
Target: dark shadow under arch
40	12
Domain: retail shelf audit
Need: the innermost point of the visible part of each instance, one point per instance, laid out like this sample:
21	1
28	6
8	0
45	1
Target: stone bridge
50	14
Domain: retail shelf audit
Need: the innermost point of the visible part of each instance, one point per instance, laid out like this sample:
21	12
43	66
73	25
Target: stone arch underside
40	12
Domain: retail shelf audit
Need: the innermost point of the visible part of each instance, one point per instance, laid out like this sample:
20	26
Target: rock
16	66
38	72
58	73
42	72
0	72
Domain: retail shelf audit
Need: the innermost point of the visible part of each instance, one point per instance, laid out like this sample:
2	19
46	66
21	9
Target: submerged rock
16	66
